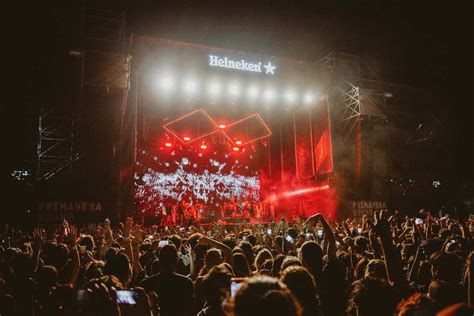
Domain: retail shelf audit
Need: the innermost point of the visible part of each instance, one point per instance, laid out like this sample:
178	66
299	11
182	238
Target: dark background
426	44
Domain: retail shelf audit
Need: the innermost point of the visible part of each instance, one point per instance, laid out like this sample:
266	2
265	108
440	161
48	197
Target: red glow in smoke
297	192
186	138
303	202
168	144
304	191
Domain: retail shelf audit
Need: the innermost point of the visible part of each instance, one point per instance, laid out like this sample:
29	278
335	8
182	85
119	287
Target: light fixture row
215	89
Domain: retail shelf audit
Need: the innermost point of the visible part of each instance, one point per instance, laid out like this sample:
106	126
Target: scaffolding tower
358	102
57	147
100	66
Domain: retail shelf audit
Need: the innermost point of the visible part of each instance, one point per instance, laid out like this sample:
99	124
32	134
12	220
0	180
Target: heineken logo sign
241	64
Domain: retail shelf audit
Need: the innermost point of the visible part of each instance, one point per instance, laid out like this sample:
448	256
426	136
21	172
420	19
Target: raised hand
381	225
190	252
137	234
64	232
106	226
71	237
39	237
127	227
107	232
313	219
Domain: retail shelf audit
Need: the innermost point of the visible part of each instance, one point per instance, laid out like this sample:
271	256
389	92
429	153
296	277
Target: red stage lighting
236	149
186	138
167	144
305	190
217	127
238	142
203	146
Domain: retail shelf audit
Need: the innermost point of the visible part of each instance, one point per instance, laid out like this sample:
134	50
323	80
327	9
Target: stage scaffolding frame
102	36
104	25
349	76
57	147
352	84
350	110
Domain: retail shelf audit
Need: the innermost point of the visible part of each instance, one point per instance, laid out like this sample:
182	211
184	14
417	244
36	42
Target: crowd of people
385	265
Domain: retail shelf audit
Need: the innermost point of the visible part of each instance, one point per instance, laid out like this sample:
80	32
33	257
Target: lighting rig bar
217	128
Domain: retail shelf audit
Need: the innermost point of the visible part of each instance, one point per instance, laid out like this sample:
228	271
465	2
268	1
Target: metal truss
104	24
57	146
106	70
351	111
217	129
102	66
347	66
355	91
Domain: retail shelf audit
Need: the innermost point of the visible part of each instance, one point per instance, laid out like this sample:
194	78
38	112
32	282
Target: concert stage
222	132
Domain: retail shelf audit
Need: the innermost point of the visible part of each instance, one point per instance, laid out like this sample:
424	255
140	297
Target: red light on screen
186	138
168	144
238	142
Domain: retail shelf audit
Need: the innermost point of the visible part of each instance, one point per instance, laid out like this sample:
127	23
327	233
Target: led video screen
185	176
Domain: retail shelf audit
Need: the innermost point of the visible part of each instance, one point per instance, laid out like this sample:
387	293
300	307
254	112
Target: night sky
427	44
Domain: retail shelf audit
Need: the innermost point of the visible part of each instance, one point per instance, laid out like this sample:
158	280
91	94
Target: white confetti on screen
205	187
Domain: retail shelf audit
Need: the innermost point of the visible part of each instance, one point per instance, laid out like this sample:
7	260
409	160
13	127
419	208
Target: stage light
234	89
221	126
252	92
203	146
190	87
308	98
290	96
167	144
238	142
186	138
269	95
166	83
236	149
214	88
